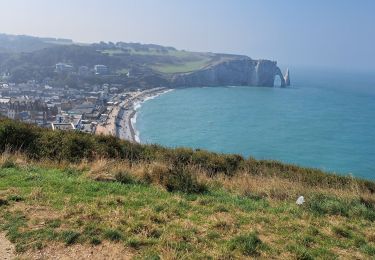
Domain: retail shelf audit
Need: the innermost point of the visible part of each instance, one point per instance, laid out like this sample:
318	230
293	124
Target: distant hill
24	43
130	64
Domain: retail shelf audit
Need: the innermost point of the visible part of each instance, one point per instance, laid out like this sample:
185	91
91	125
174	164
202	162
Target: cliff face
240	72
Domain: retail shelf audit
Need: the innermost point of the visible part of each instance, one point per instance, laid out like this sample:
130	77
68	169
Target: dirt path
6	248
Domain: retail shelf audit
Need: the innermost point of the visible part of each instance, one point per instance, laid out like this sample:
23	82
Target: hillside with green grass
68	194
24	58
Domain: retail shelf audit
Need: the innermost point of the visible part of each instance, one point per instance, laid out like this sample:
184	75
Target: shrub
16	136
180	179
124	177
180	156
77	146
155	173
39	143
8	164
248	244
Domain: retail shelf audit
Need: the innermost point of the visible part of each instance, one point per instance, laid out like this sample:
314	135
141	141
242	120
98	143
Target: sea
325	120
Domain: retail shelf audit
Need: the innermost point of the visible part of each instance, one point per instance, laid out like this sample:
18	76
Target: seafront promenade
121	116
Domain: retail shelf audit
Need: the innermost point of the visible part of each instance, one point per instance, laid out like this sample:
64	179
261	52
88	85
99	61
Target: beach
122	117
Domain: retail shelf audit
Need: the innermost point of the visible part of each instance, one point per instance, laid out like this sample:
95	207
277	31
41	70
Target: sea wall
239	72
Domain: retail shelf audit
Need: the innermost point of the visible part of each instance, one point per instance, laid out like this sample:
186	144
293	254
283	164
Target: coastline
122	117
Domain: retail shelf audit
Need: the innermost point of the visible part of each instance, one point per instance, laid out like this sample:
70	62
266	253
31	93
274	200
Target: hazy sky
333	33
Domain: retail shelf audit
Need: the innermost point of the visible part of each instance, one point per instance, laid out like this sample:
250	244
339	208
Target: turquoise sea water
325	120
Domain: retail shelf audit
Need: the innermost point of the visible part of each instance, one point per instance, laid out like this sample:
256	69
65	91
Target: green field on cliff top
71	194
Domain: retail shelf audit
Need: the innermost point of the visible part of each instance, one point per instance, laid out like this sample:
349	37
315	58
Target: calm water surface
325	120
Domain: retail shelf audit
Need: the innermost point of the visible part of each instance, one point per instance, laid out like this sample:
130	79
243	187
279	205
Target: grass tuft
113	235
248	244
69	237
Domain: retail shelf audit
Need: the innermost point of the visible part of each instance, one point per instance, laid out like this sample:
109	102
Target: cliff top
76	195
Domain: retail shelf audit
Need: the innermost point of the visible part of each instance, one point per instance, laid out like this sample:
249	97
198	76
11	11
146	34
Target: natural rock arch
281	76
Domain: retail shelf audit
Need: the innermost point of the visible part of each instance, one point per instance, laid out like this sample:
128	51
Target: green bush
8	164
15	136
180	179
124	177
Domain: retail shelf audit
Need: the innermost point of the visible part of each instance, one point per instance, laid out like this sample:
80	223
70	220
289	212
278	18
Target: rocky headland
241	71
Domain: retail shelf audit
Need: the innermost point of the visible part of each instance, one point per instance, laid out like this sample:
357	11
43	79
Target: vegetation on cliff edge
61	191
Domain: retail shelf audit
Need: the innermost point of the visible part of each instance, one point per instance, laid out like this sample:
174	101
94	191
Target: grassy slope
48	203
184	67
183	61
74	189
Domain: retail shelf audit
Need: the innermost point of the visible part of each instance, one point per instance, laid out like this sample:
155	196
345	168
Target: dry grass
242	183
142	217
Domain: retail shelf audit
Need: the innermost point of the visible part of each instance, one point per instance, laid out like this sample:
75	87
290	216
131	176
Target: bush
8	164
39	143
124	177
248	244
16	136
180	179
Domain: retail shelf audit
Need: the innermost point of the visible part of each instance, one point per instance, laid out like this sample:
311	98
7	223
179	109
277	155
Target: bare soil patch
6	248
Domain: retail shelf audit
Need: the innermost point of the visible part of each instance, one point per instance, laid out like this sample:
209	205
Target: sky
319	33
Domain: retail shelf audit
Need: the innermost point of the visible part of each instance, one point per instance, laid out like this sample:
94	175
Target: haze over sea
325	120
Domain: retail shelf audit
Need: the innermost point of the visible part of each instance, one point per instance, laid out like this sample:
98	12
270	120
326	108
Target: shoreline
122	117
137	105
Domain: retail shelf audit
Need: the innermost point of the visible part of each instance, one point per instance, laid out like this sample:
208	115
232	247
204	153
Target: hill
131	64
83	196
24	43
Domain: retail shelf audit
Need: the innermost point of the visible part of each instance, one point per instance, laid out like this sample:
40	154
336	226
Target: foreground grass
43	204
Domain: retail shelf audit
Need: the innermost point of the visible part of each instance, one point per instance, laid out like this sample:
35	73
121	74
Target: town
97	109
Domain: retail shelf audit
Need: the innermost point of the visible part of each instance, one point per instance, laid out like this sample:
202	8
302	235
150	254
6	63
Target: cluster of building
59	108
99	69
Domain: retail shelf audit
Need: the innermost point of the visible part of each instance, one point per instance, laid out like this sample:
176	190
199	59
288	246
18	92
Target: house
62	126
101	70
63	68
